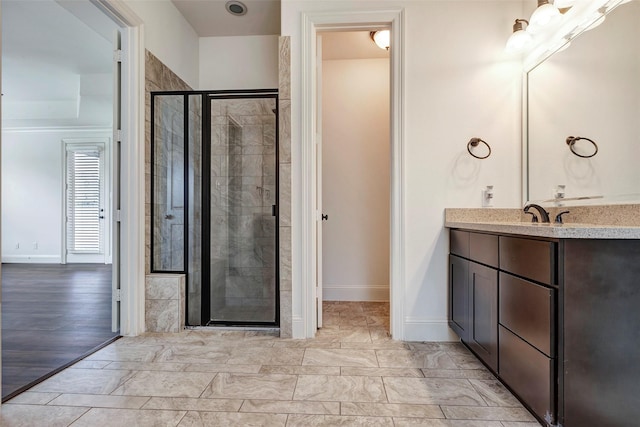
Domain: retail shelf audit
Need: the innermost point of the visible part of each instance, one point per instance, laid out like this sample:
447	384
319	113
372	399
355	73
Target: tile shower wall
284	169
243	187
159	77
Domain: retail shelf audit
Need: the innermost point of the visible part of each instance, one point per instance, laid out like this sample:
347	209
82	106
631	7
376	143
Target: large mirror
590	89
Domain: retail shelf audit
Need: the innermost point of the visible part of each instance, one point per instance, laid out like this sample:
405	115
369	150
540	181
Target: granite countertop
509	221
558	231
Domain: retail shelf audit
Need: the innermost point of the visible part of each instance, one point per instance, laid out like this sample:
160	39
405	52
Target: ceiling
56	70
209	18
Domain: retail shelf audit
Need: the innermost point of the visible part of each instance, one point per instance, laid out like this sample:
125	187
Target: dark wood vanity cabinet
559	325
504	310
473	292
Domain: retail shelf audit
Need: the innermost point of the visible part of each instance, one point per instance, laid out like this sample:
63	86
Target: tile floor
351	374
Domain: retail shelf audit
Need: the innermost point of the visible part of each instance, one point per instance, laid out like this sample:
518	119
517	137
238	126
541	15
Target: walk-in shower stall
214	193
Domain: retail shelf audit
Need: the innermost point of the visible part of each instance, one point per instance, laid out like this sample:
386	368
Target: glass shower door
243	215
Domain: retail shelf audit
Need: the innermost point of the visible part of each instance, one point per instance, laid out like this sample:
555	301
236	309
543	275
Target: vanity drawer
483	248
528	372
533	259
528	310
459	243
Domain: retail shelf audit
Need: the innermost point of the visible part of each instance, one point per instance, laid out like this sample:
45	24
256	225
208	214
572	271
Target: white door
319	213
85	201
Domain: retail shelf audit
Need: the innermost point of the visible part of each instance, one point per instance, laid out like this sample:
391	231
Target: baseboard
416	329
297	328
32	259
355	293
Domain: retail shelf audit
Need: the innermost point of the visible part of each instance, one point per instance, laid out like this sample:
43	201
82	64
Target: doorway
214	202
354	167
59	82
346	21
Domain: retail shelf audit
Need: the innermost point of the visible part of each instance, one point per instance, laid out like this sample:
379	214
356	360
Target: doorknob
324	217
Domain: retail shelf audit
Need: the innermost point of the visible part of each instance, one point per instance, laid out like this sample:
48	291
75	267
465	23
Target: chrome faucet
544	215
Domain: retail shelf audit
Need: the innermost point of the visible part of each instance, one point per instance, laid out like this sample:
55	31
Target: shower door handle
274	210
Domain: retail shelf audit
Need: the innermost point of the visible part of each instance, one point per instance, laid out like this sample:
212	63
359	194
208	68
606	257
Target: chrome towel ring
571	140
474	142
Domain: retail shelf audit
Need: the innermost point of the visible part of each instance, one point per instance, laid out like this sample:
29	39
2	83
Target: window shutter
83	201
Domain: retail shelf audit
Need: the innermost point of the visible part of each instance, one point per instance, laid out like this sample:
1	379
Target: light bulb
382	38
544	15
519	40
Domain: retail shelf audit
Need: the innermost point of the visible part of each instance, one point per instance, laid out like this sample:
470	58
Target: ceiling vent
236	8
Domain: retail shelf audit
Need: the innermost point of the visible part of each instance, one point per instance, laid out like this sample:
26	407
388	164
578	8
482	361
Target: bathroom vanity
553	312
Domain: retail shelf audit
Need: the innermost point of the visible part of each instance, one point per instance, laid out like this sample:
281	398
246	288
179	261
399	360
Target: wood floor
52	315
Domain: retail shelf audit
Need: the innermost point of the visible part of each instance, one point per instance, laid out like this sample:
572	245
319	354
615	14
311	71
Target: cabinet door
459	296
483	313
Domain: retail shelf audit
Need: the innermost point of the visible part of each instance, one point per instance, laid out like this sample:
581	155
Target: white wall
248	62
458	84
169	36
32	193
355	179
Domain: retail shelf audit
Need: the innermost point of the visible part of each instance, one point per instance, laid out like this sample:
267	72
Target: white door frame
131	215
352	20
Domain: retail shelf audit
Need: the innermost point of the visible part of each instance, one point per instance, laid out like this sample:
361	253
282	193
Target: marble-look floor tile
339	357
310	343
223	367
300	370
194	404
32	415
466	361
128	417
90	364
119	351
415	359
147	366
266	356
33	398
391	410
165	384
344	335
487	413
377	345
481	374
425	422
342	388
494	393
232	419
519	424
337	420
382	372
434	391
291	407
251	386
190	354
84	381
99	401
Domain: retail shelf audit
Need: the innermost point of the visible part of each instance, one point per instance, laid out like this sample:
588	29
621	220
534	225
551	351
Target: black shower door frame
206	98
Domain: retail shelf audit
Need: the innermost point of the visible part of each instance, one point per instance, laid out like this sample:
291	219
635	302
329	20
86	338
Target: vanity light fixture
381	38
520	39
544	15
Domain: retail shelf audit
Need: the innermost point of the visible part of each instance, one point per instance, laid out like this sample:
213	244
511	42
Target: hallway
52	315
351	374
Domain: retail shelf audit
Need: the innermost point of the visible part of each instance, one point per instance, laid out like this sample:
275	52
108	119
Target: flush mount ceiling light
520	39
381	38
236	8
544	15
